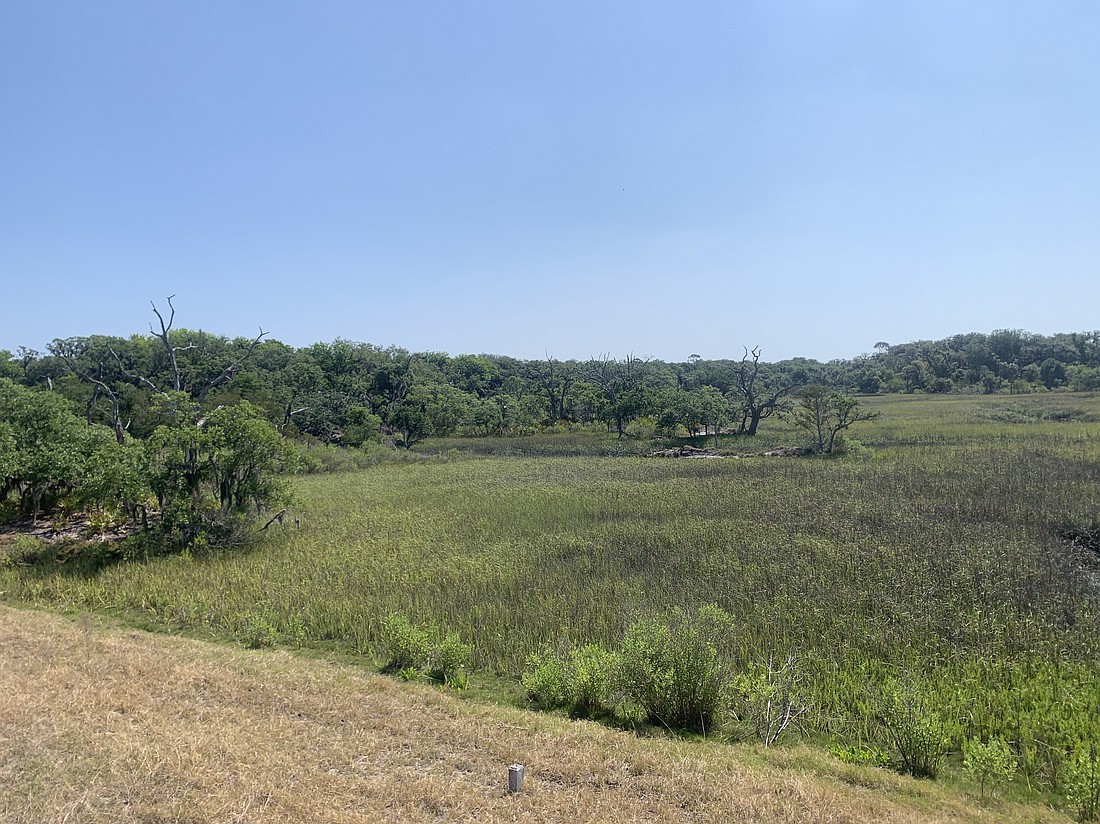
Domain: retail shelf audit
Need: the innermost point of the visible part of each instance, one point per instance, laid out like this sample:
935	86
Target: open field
935	556
101	724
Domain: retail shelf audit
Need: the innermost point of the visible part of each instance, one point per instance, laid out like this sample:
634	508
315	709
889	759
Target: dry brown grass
101	724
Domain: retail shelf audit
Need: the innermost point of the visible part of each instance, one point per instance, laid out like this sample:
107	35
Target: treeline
351	393
1008	360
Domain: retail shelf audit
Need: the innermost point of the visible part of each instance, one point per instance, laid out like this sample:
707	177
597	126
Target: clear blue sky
576	178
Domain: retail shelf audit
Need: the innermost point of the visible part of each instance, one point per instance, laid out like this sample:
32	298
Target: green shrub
860	754
673	669
449	660
918	734
25	550
103	519
546	677
296	631
989	763
1082	784
407	645
457	680
593	675
260	631
582	680
642	428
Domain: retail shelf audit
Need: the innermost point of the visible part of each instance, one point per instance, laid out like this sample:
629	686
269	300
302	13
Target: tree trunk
754	422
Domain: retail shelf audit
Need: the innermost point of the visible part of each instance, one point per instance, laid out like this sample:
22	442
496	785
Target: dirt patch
696	452
684	452
73	528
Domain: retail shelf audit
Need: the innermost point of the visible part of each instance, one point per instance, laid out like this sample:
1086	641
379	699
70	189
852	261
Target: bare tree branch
290	413
66	350
126	373
279	516
231	370
165	328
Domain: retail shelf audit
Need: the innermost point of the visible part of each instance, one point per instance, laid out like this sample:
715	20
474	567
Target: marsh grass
933	554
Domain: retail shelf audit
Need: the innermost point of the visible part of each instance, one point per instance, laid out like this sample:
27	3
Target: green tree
474	375
1052	373
48	453
823	413
362	426
249	460
8	460
212	477
714	409
430	408
918	376
9	367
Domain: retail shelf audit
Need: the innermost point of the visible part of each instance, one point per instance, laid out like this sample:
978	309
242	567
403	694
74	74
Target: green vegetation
424	652
674	670
582	680
1083	783
823	414
360	395
932	559
209	475
930	592
915	729
989	763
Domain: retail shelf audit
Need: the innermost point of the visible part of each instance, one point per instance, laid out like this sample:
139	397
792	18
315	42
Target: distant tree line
1008	360
199	427
350	393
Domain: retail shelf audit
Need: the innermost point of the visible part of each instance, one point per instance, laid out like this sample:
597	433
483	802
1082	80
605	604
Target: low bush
546	679
1082	783
425	650
581	680
917	733
673	669
860	754
450	658
406	644
989	763
259	631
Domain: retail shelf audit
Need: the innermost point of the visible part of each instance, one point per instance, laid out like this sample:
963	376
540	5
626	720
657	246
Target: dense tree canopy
199	426
350	393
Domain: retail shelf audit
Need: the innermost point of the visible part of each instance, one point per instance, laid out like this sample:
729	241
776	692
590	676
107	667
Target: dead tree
171	350
761	398
177	379
72	350
555	379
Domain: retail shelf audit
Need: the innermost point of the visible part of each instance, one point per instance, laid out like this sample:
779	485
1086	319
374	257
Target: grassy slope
102	724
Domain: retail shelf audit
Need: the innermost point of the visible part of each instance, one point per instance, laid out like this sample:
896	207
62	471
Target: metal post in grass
515	778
